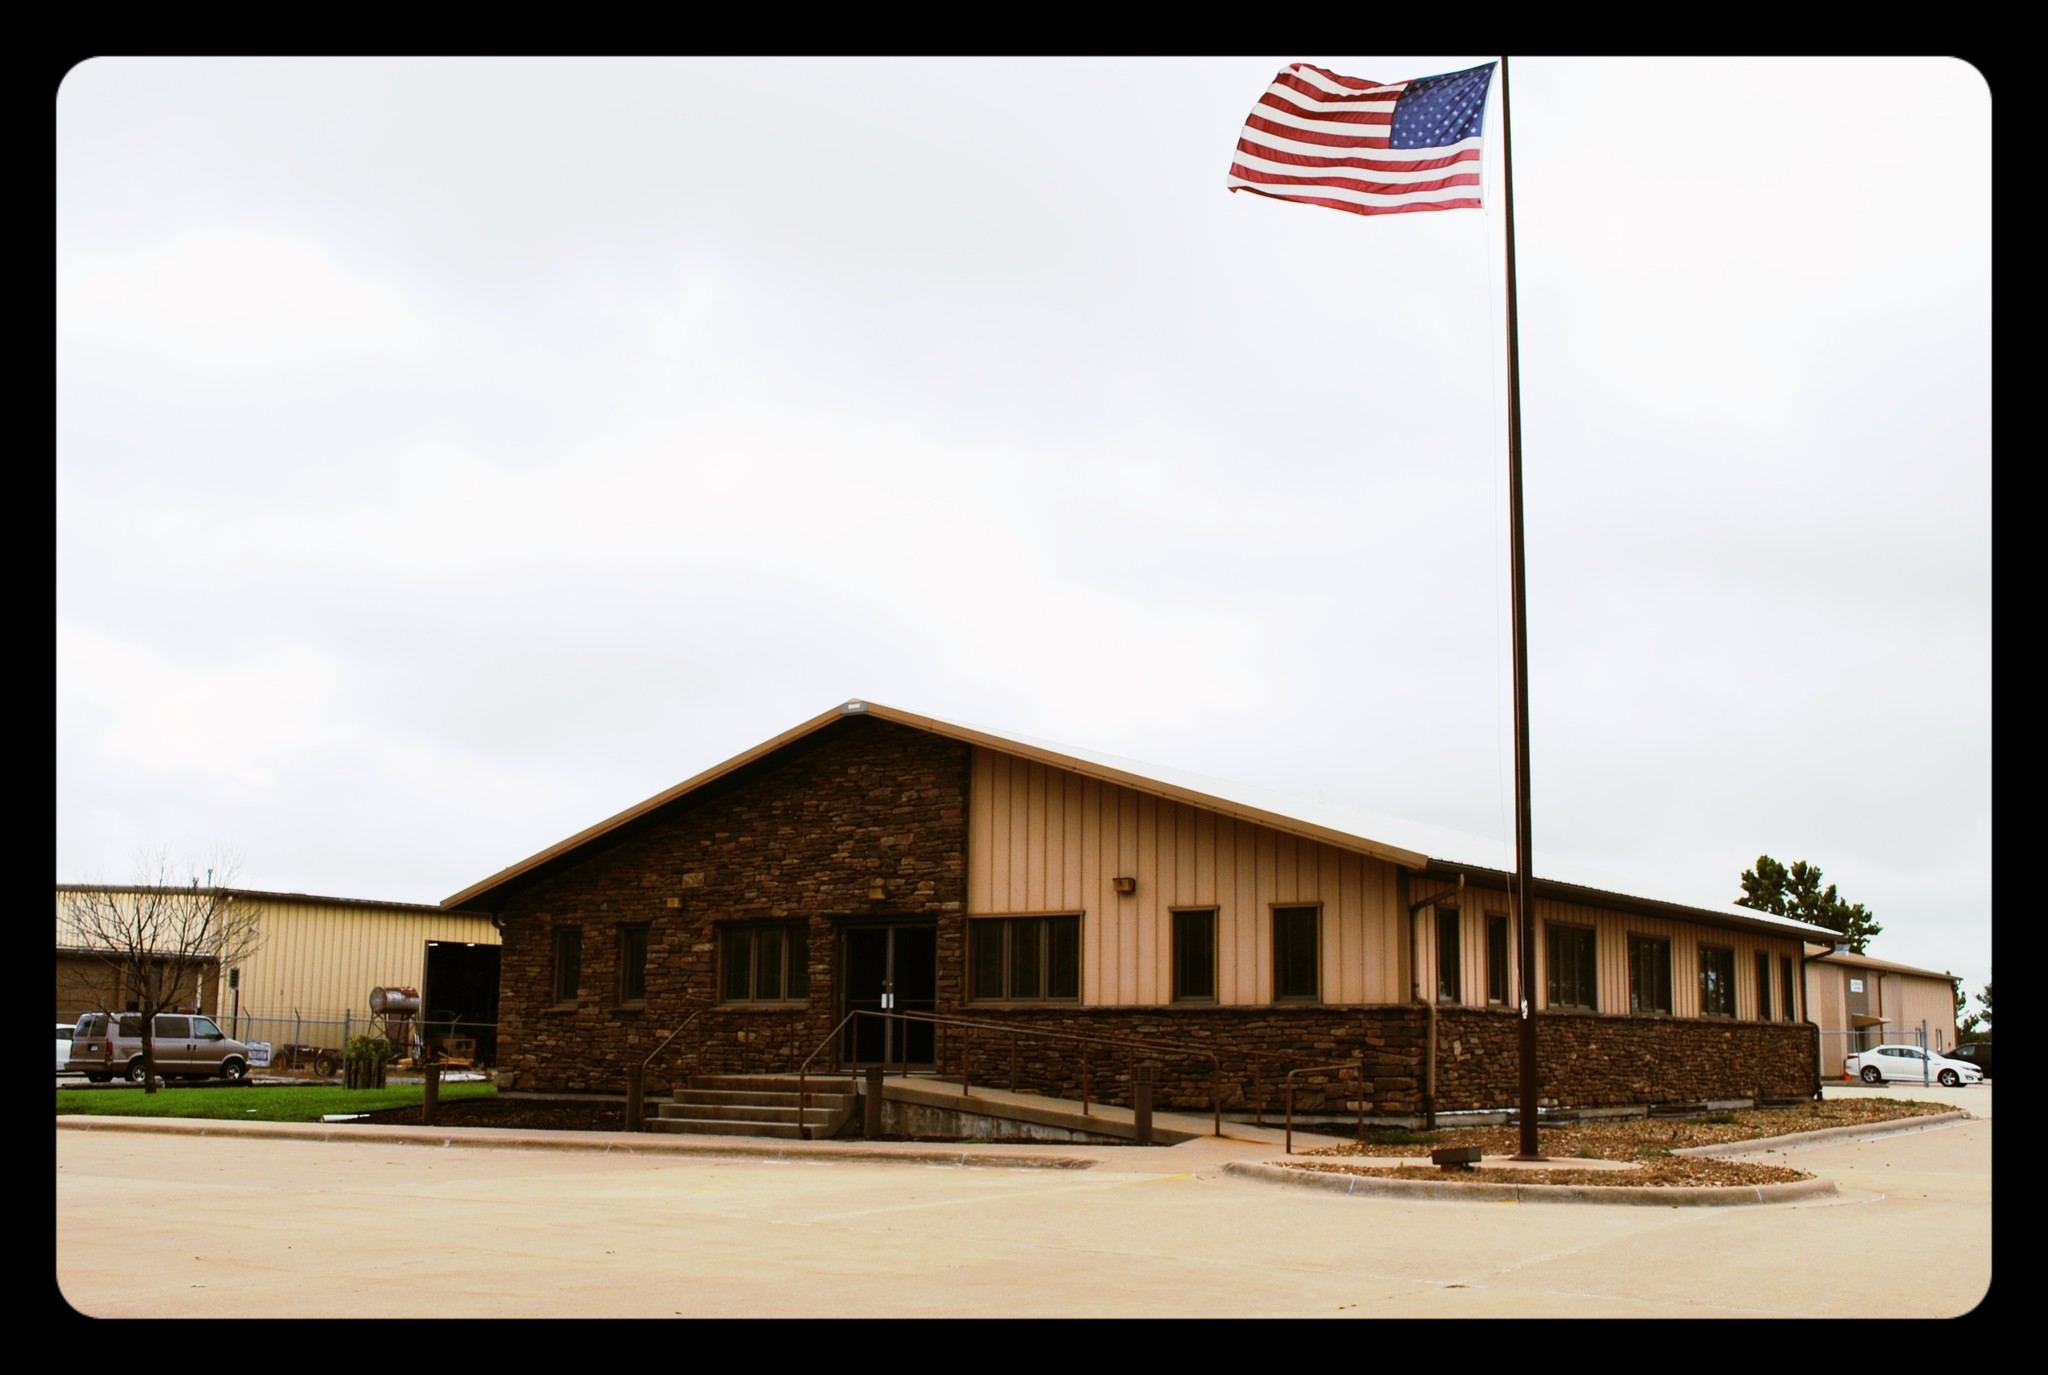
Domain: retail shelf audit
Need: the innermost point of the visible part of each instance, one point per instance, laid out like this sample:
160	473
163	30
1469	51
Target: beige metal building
316	961
1860	1002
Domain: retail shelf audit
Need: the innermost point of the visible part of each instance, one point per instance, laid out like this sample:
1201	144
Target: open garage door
459	1001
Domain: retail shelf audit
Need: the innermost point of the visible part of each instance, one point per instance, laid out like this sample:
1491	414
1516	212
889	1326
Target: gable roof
1412	845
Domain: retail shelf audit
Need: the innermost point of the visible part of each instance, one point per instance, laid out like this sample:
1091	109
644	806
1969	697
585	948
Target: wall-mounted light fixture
672	904
1124	885
498	921
876	892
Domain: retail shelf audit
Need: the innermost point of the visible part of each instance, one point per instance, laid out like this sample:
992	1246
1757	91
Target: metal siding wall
323	958
1933	1000
1040	839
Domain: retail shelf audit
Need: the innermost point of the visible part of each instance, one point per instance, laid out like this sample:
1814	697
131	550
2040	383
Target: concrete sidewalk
1188	1144
241	1220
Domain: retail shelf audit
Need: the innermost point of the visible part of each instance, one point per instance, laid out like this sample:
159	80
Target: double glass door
885	966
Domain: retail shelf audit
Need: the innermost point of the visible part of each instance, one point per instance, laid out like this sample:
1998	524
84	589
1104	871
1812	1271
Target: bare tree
155	942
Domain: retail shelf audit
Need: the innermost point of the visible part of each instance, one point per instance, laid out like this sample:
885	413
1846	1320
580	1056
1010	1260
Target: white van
188	1046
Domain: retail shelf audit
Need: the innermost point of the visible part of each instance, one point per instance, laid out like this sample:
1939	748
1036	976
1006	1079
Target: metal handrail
1132	1044
1358	1064
803	1094
636	1075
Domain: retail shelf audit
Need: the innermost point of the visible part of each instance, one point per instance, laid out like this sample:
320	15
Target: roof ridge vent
854	707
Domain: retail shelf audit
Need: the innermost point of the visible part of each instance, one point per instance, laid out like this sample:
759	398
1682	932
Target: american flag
1369	147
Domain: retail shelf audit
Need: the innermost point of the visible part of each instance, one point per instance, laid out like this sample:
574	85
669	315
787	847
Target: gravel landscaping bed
1647	1143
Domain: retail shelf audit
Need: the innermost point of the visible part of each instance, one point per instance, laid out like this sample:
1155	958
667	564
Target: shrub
363	1046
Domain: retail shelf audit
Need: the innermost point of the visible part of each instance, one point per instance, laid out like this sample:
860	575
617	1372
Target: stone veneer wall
803	839
1585	1060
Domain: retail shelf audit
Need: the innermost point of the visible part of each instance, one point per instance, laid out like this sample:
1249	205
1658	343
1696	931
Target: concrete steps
757	1105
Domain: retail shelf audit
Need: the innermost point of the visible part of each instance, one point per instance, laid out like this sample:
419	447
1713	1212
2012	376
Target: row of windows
757	963
1449	980
1649	977
1038	959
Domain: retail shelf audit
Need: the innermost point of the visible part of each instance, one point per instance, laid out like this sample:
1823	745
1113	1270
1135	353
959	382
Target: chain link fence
290	1043
1837	1046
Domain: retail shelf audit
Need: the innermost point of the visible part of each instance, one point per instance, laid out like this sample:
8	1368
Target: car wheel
325	1065
137	1072
234	1071
1872	1075
1949	1078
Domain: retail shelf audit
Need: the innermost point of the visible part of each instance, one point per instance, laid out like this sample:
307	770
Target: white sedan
1909	1064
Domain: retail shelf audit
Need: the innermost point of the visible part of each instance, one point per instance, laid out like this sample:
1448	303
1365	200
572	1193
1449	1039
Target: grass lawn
254	1103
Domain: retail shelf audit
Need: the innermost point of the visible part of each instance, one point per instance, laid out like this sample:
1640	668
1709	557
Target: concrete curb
1639	1196
605	1143
1766	1144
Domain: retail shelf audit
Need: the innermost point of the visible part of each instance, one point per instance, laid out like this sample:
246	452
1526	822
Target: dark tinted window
1194	956
1295	975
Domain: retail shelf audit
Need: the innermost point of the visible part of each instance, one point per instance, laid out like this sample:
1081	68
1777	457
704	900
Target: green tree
1966	1026
156	943
1796	892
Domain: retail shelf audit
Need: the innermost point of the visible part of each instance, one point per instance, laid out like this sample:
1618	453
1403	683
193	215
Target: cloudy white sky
451	454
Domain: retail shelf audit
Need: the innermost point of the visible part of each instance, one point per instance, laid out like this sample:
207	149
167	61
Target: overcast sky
451	454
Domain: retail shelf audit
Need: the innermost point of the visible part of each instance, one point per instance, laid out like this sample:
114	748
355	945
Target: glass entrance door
887	966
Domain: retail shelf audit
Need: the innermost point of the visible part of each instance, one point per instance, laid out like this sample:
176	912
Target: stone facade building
1053	919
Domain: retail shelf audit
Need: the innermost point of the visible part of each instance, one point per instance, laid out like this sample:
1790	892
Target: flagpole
1525	906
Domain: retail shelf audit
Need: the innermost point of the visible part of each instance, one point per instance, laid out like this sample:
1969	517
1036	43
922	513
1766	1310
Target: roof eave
1629	902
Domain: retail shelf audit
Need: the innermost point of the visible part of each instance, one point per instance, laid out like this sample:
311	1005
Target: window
1496	959
1763	987
1649	974
1194	956
1787	1007
1571	966
767	962
1717	982
1024	958
1448	987
1296	977
568	963
633	963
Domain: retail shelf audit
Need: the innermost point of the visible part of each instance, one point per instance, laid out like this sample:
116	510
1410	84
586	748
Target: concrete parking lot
151	1224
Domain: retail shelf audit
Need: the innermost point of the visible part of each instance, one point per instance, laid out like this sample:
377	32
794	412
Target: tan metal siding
1041	839
319	959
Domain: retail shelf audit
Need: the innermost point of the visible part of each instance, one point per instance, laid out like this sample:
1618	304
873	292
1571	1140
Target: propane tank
390	1001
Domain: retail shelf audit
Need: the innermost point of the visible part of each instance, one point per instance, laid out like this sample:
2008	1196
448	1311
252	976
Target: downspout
1428	1003
1798	994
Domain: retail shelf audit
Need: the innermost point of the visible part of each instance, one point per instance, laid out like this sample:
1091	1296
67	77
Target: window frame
1290	912
567	965
1499	960
1010	930
1642	953
1763	986
1723	1003
633	963
1787	990
1185	920
1450	972
1584	973
792	981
